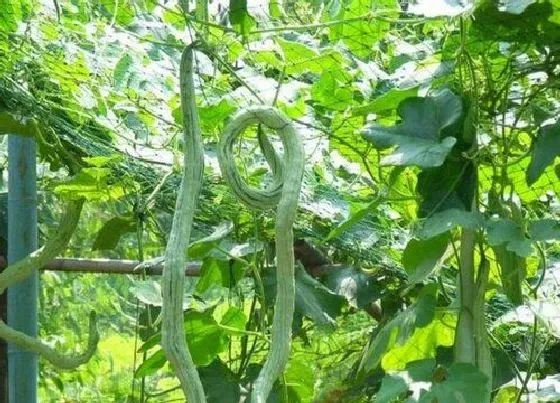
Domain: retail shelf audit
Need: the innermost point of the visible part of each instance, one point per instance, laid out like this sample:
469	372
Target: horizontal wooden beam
109	266
115	266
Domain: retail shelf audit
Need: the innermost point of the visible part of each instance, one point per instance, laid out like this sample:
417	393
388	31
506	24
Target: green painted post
22	239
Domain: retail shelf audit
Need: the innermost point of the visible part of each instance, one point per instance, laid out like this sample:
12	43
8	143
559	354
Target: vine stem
173	334
284	195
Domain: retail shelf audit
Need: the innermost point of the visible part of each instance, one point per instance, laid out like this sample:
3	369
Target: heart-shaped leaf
418	137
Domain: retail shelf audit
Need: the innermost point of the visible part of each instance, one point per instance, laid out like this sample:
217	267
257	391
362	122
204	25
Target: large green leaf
92	184
122	70
461	382
546	147
201	247
222	273
331	93
205	336
419	137
424	342
240	18
421	257
300	58
313	299
213	116
510	234
219	383
109	235
447	220
387	101
362	32
400	328
544	230
450	186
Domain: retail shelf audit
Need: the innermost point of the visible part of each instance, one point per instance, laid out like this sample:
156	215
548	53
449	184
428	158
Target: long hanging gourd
284	195
173	334
23	268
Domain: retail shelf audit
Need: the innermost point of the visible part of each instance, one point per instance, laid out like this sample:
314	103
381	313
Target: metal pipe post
22	239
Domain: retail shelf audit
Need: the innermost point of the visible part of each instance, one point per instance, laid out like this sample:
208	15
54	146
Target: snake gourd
173	334
284	194
23	268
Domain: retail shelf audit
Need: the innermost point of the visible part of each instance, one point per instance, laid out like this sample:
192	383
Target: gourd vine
284	195
22	269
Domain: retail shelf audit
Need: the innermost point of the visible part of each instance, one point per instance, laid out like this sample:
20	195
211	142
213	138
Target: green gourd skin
173	334
283	195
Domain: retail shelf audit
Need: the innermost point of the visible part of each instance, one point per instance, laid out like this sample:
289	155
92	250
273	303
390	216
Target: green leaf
447	220
545	148
423	343
313	299
352	220
418	137
233	321
11	16
507	394
122	11
121	70
213	116
316	301
300	376
294	110
299	58
505	231
388	101
463	383
397	384
400	329
450	186
219	383
331	93
201	247
393	388
421	257
90	184
240	18
212	272
205	337
152	364
147	292
109	235
544	230
361	32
